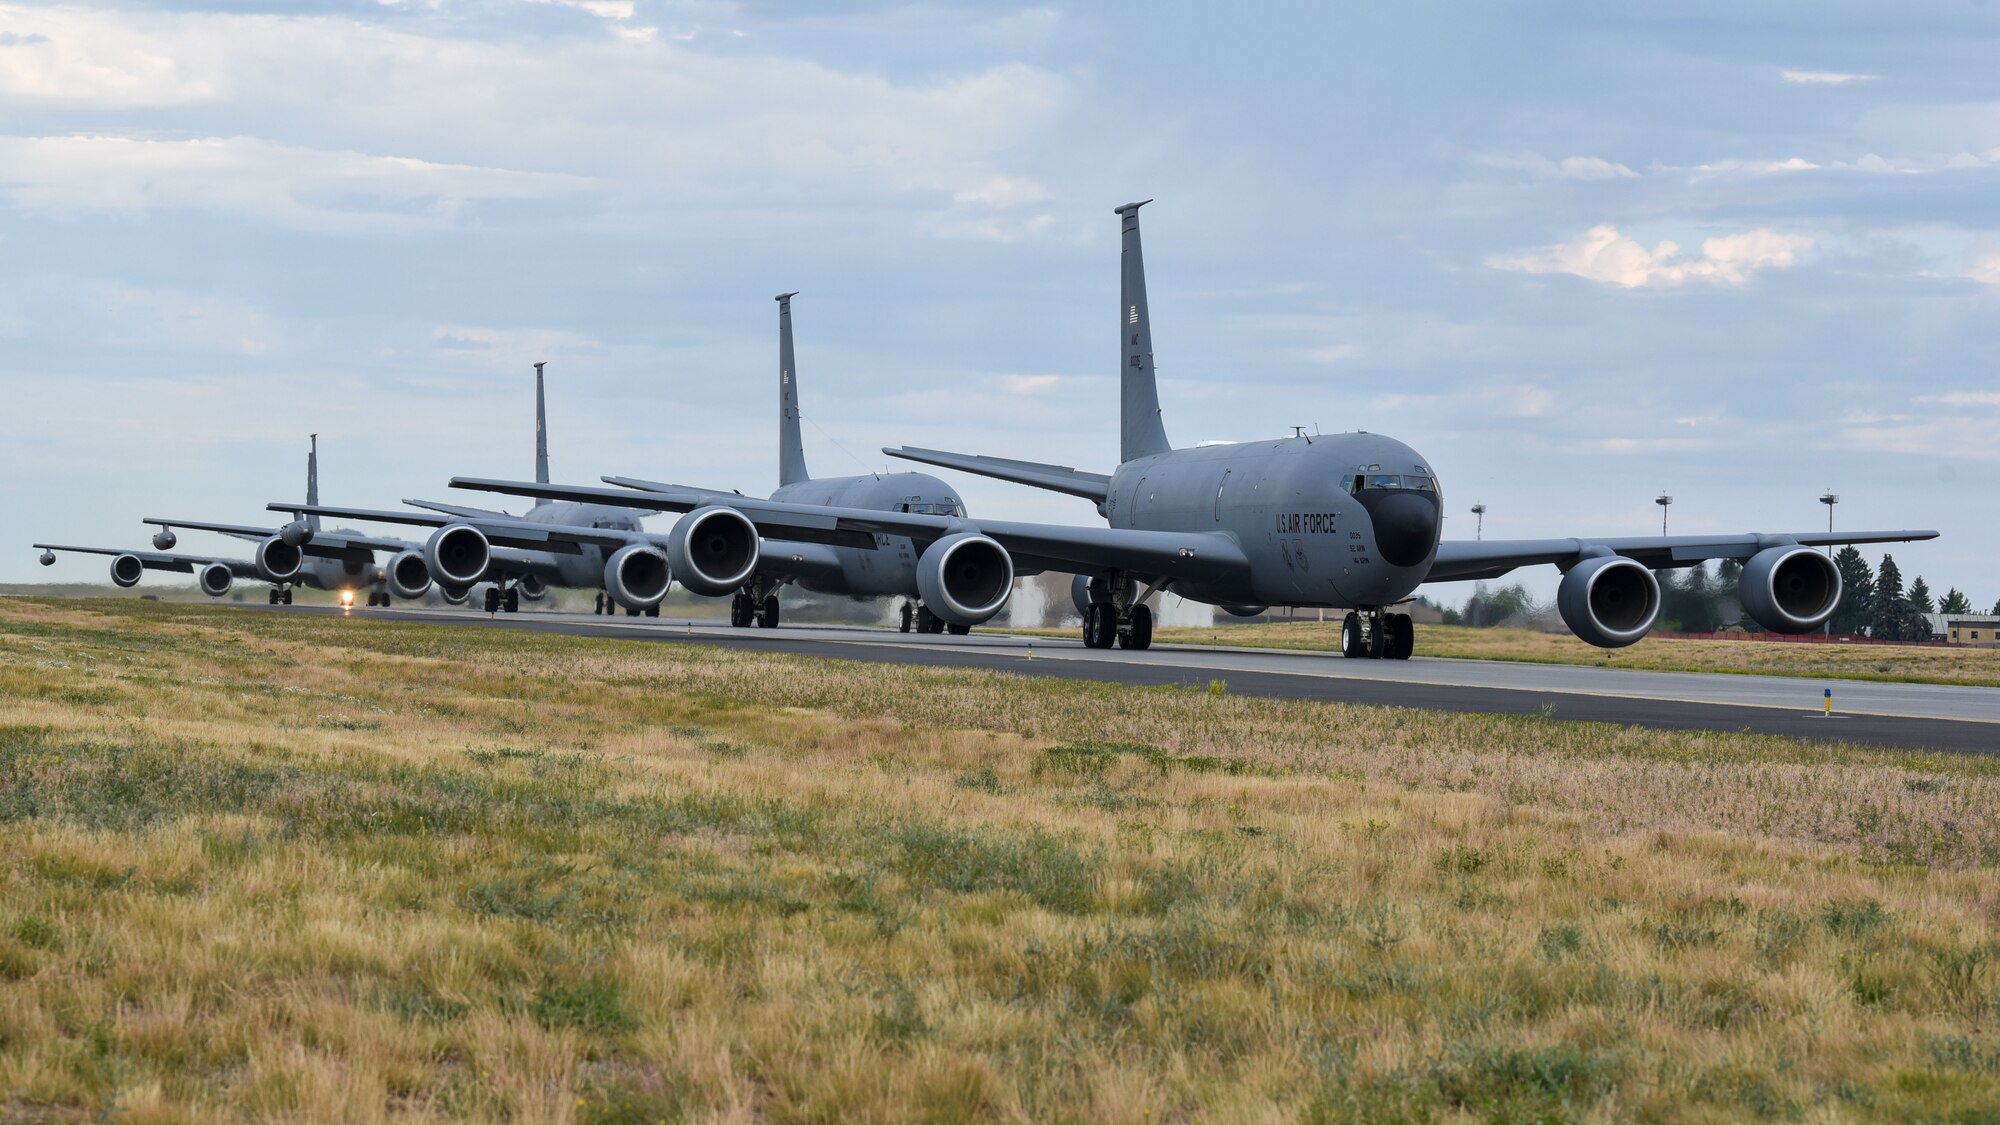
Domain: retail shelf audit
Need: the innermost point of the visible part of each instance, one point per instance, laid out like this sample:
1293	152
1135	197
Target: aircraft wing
325	544
1194	555
1056	478
713	495
234	530
1460	560
501	531
458	509
155	560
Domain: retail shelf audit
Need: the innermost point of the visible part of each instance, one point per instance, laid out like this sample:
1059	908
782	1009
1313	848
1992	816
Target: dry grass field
1895	663
265	866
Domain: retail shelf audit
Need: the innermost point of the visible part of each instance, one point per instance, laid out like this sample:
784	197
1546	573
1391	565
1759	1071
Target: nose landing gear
1372	633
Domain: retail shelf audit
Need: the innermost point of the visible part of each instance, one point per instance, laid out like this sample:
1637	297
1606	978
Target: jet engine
215	579
532	587
1609	601
126	570
458	554
277	560
164	539
965	578
408	576
1079	594
713	550
298	533
637	576
1789	589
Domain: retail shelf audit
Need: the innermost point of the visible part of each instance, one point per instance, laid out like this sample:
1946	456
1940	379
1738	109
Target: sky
1576	255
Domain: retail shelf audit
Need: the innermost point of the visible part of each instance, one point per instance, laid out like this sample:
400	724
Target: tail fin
791	449
1141	433
312	482
541	433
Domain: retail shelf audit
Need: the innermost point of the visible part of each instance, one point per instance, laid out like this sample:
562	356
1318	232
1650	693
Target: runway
1912	716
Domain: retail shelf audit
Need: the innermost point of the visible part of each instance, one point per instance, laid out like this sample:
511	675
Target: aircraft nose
1406	526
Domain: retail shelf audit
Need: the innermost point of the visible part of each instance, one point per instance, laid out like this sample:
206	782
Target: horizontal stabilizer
1056	478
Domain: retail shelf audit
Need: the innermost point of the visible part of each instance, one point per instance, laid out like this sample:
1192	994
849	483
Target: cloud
1985	269
311	188
1030	384
63	56
1330	354
1754	167
1824	77
1643	445
1568	168
1963	398
1604	255
1002	191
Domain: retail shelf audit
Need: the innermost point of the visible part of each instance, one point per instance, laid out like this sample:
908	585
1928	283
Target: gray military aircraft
342	562
719	554
587	546
1342	521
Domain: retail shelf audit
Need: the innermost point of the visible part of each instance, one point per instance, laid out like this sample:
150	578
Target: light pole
1479	531
1829	499
1664	501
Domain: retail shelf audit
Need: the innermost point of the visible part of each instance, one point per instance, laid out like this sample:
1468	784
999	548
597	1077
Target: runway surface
1916	716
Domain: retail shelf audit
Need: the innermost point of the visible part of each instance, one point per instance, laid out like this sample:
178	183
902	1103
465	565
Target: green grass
560	879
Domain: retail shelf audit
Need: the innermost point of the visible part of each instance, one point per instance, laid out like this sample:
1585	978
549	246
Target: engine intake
277	560
637	576
215	579
126	570
1789	589
408	576
1609	601
533	587
713	550
458	554
966	578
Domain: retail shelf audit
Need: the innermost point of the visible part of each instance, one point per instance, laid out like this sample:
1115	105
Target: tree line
1698	599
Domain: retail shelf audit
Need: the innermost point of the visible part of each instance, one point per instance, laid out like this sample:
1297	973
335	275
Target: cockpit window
1415	482
1385	480
932	507
1421	484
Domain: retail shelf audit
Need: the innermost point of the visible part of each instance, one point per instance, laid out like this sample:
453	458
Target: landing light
347	598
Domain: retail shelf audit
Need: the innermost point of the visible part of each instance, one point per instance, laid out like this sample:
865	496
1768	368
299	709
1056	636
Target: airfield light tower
1664	501
1829	499
1480	529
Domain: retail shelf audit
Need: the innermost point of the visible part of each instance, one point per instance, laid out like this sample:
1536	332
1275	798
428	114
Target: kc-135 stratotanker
1341	521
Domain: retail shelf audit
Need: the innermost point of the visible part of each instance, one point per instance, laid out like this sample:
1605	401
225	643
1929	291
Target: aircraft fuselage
890	569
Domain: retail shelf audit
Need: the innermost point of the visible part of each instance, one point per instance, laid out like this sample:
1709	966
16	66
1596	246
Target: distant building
1972	629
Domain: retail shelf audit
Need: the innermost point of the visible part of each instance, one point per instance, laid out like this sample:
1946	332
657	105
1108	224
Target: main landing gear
1374	634
378	599
281	597
1117	615
919	618
496	600
745	610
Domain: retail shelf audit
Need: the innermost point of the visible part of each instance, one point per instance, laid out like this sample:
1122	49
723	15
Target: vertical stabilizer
1141	433
541	433
791	448
312	481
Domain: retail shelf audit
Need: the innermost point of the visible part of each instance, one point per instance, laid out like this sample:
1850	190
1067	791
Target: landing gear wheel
1402	636
909	616
1350	636
958	630
597	607
652	611
287	597
493	600
1138	633
513	600
274	596
927	622
739	611
1102	626
769	618
1378	639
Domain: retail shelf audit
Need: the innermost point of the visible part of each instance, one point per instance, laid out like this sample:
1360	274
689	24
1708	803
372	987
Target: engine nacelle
1609	601
713	551
1079	595
277	560
298	533
532	587
637	576
126	570
408	576
454	595
215	579
458	554
164	539
1789	589
966	578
